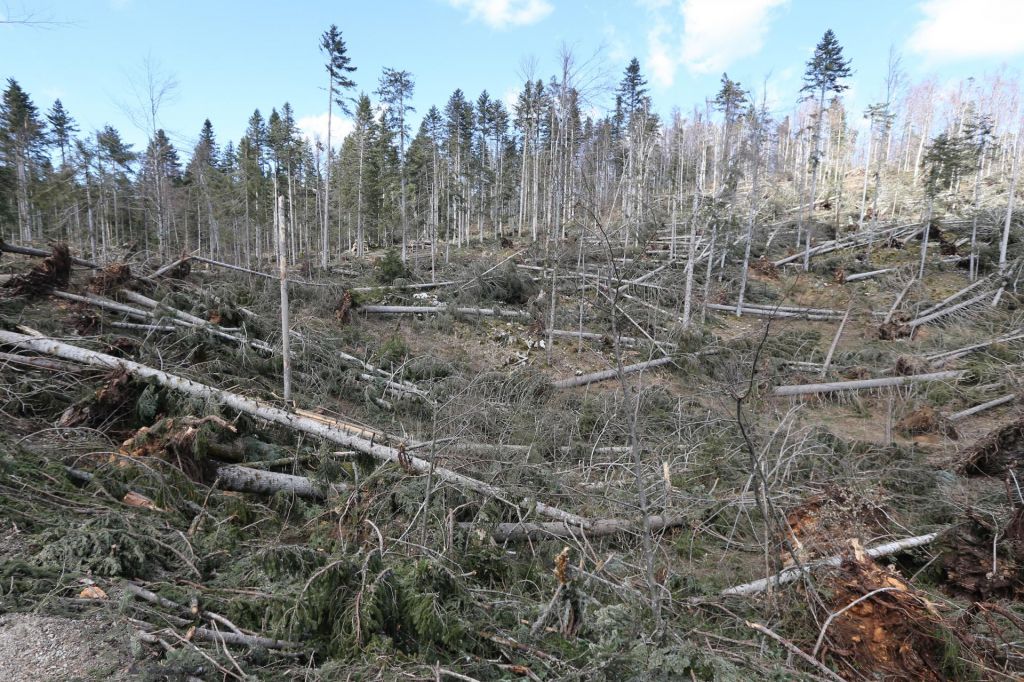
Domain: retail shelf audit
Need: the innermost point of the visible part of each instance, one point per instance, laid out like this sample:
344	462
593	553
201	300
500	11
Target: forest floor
131	546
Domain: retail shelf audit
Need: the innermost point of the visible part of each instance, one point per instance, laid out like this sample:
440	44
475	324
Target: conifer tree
21	144
338	67
396	89
62	129
826	70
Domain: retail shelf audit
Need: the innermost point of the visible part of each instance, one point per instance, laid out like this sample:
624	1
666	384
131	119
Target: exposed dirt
37	648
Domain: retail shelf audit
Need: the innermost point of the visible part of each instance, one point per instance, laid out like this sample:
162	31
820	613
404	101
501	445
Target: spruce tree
825	72
396	88
62	129
21	144
339	65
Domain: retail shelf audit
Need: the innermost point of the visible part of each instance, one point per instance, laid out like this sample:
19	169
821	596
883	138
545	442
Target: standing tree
338	65
62	129
395	92
824	72
21	144
730	100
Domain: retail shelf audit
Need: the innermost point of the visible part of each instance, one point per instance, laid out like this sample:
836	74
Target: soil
37	648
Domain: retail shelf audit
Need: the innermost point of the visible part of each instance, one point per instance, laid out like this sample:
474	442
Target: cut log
788	575
286	418
861	384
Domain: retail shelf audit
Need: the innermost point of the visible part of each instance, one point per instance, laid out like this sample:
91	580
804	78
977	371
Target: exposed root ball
53	273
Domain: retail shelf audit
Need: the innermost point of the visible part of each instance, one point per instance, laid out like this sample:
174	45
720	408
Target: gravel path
41	648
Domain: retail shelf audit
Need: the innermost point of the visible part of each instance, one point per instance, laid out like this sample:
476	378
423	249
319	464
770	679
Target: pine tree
338	67
21	145
824	74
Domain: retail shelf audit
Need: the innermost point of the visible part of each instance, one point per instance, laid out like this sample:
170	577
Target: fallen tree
286	418
790	574
512	532
436	309
605	375
861	384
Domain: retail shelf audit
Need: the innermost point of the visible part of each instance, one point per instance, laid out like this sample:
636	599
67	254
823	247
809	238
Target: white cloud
965	29
314	128
660	60
717	33
502	14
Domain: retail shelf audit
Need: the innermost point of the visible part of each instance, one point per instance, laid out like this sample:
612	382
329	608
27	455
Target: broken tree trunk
246	480
287	418
790	574
861	384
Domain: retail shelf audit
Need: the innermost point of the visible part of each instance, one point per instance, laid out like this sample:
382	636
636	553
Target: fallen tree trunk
790	574
100	302
861	384
287	418
186	319
513	532
982	407
594	336
770	312
43	253
865	275
385	288
257	273
584	379
945	356
946	311
434	309
246	480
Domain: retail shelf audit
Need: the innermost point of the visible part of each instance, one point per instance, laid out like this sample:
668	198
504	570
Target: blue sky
231	57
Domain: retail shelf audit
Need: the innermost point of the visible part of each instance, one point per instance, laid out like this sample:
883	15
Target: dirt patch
924	421
37	648
887	629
